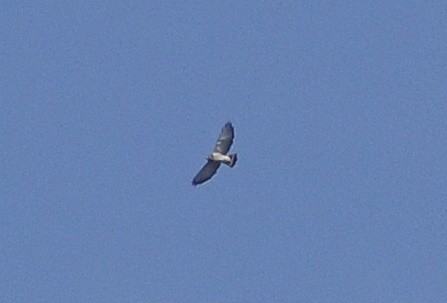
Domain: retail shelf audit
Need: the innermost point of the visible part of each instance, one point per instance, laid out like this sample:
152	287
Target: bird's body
218	156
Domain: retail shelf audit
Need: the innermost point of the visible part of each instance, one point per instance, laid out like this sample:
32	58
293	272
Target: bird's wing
206	172
225	139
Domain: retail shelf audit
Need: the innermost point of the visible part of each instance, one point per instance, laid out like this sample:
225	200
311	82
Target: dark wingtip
229	125
195	183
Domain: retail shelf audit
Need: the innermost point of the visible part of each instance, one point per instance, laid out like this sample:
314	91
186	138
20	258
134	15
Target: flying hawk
218	156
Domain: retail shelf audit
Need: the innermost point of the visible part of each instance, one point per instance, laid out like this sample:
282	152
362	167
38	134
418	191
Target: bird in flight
218	156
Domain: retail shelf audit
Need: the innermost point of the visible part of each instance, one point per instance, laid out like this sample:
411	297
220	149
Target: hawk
218	156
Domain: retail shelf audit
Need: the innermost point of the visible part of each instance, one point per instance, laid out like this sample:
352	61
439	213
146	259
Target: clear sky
109	110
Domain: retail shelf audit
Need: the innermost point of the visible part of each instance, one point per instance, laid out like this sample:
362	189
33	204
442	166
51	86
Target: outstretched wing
207	171
225	139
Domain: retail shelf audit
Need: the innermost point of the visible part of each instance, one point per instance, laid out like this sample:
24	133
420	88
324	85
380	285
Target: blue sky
109	110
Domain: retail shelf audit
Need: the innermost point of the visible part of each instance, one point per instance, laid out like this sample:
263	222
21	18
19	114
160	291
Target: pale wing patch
225	139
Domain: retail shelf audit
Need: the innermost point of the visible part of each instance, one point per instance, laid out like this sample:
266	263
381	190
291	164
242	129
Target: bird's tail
233	158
